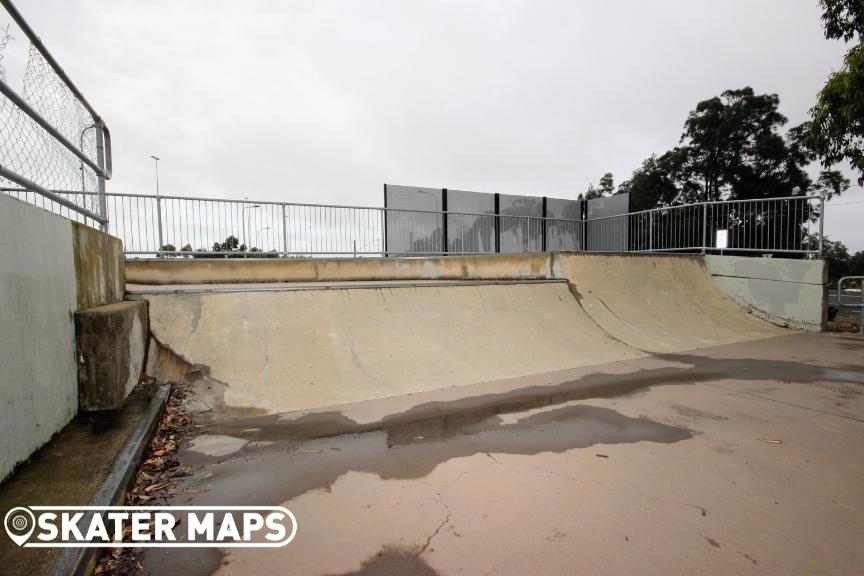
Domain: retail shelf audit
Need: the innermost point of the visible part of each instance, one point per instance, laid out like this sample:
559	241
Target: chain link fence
54	145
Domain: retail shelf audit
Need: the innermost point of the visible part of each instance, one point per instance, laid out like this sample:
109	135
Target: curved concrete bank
657	304
358	335
292	350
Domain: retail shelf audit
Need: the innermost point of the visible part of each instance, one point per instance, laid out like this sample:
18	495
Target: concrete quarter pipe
285	348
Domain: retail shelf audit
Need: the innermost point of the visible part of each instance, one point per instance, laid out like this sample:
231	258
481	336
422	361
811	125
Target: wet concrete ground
67	471
731	460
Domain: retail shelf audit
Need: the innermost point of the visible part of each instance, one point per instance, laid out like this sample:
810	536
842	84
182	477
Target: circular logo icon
19	523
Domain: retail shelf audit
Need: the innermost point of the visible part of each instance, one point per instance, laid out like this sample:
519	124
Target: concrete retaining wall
783	291
46	275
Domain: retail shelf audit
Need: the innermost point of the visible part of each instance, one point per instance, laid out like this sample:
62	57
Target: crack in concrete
434	534
703	511
792	404
438	500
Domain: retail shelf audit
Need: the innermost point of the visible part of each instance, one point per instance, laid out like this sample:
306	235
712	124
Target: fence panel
54	144
173	226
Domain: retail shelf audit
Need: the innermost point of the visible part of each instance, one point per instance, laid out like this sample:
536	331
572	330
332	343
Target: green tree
856	264
842	18
732	149
655	183
606	188
837	129
835	254
836	133
607	185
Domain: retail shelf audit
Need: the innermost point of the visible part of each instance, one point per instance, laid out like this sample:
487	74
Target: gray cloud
315	101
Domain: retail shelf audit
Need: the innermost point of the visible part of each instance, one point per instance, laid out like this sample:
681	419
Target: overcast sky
323	101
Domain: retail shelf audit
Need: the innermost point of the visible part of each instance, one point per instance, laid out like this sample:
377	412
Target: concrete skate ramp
289	350
659	303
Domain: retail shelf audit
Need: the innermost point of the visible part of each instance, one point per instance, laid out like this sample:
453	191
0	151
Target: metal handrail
712	202
51	195
860	304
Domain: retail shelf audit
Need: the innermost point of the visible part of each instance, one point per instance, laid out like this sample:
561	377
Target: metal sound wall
413	220
607	223
478	222
564	224
469	229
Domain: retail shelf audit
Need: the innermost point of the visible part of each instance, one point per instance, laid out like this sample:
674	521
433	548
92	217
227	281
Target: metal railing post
704	228
860	306
159	224
651	231
284	233
462	232
100	175
821	222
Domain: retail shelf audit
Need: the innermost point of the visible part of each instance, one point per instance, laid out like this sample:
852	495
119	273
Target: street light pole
158	206
156	158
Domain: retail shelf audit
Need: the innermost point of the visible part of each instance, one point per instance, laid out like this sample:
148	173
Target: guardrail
788	225
860	304
53	139
177	226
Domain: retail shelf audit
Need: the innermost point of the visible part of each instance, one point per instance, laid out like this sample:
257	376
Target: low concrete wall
782	291
99	269
111	341
207	271
46	275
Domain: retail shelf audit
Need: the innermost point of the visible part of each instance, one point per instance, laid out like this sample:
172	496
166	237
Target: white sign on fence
722	240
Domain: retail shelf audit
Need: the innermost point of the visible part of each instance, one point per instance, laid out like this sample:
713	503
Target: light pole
156	158
158	204
243	218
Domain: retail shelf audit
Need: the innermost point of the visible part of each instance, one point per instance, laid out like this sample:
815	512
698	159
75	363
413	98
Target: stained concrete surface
275	350
736	459
67	471
291	350
657	304
111	343
787	292
64	268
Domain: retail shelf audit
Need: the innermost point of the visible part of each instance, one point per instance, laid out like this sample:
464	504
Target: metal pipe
36	117
860	280
821	223
34	39
100	179
30	185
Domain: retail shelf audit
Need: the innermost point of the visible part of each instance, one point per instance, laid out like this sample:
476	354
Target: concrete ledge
99	269
111	343
237	270
782	291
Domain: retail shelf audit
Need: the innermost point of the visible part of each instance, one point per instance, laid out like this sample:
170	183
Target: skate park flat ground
740	458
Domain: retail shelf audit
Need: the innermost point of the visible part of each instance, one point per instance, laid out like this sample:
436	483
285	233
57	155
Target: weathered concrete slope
657	304
290	350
